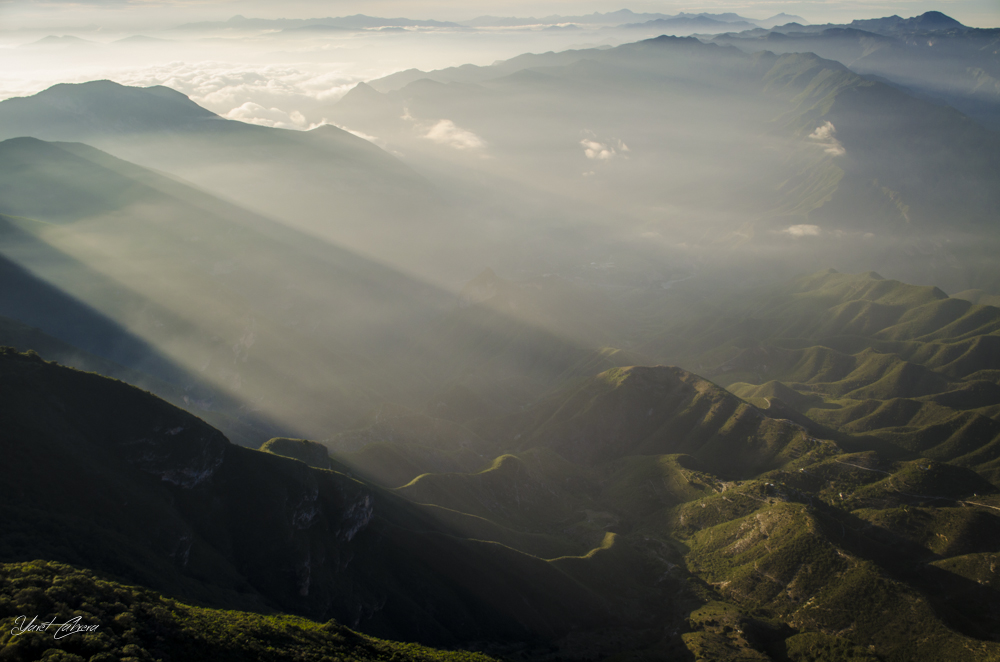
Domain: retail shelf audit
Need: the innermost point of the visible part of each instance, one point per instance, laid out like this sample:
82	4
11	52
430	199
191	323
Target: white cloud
254	113
446	133
293	97
214	83
602	151
825	136
802	230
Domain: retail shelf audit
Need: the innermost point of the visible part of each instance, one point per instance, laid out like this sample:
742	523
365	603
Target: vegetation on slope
876	362
643	512
138	624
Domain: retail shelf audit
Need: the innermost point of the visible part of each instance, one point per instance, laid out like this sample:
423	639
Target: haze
554	331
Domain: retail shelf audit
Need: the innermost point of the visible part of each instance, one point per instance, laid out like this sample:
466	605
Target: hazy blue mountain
781	19
65	112
850	156
930	55
931	21
326	182
628	18
60	42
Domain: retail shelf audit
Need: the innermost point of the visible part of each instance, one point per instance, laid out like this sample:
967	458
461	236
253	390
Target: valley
673	348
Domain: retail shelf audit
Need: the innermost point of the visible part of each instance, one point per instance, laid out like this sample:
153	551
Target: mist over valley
534	335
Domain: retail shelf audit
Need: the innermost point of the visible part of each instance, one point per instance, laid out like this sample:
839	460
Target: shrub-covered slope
135	623
894	364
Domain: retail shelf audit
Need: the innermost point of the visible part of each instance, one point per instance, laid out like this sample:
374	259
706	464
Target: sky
17	14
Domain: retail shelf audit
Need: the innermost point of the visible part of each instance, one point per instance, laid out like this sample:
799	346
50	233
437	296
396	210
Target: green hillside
139	624
781	560
644	512
654	411
875	362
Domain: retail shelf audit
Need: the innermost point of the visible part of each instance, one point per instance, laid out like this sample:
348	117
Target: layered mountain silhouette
325	182
931	55
875	171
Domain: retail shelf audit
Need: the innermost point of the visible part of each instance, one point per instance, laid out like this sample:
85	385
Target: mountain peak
365	92
931	21
109	92
935	20
68	111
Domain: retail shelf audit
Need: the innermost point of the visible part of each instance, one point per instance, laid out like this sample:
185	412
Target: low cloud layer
825	136
293	96
254	113
602	151
802	230
446	133
283	96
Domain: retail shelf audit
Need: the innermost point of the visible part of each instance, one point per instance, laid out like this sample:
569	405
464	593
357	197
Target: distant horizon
99	16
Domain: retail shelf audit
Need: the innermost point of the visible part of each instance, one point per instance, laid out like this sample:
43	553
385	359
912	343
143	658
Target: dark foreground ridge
136	623
644	509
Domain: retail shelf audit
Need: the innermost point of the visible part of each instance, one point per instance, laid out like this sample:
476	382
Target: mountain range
362	22
635	473
931	55
319	181
786	144
263	397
